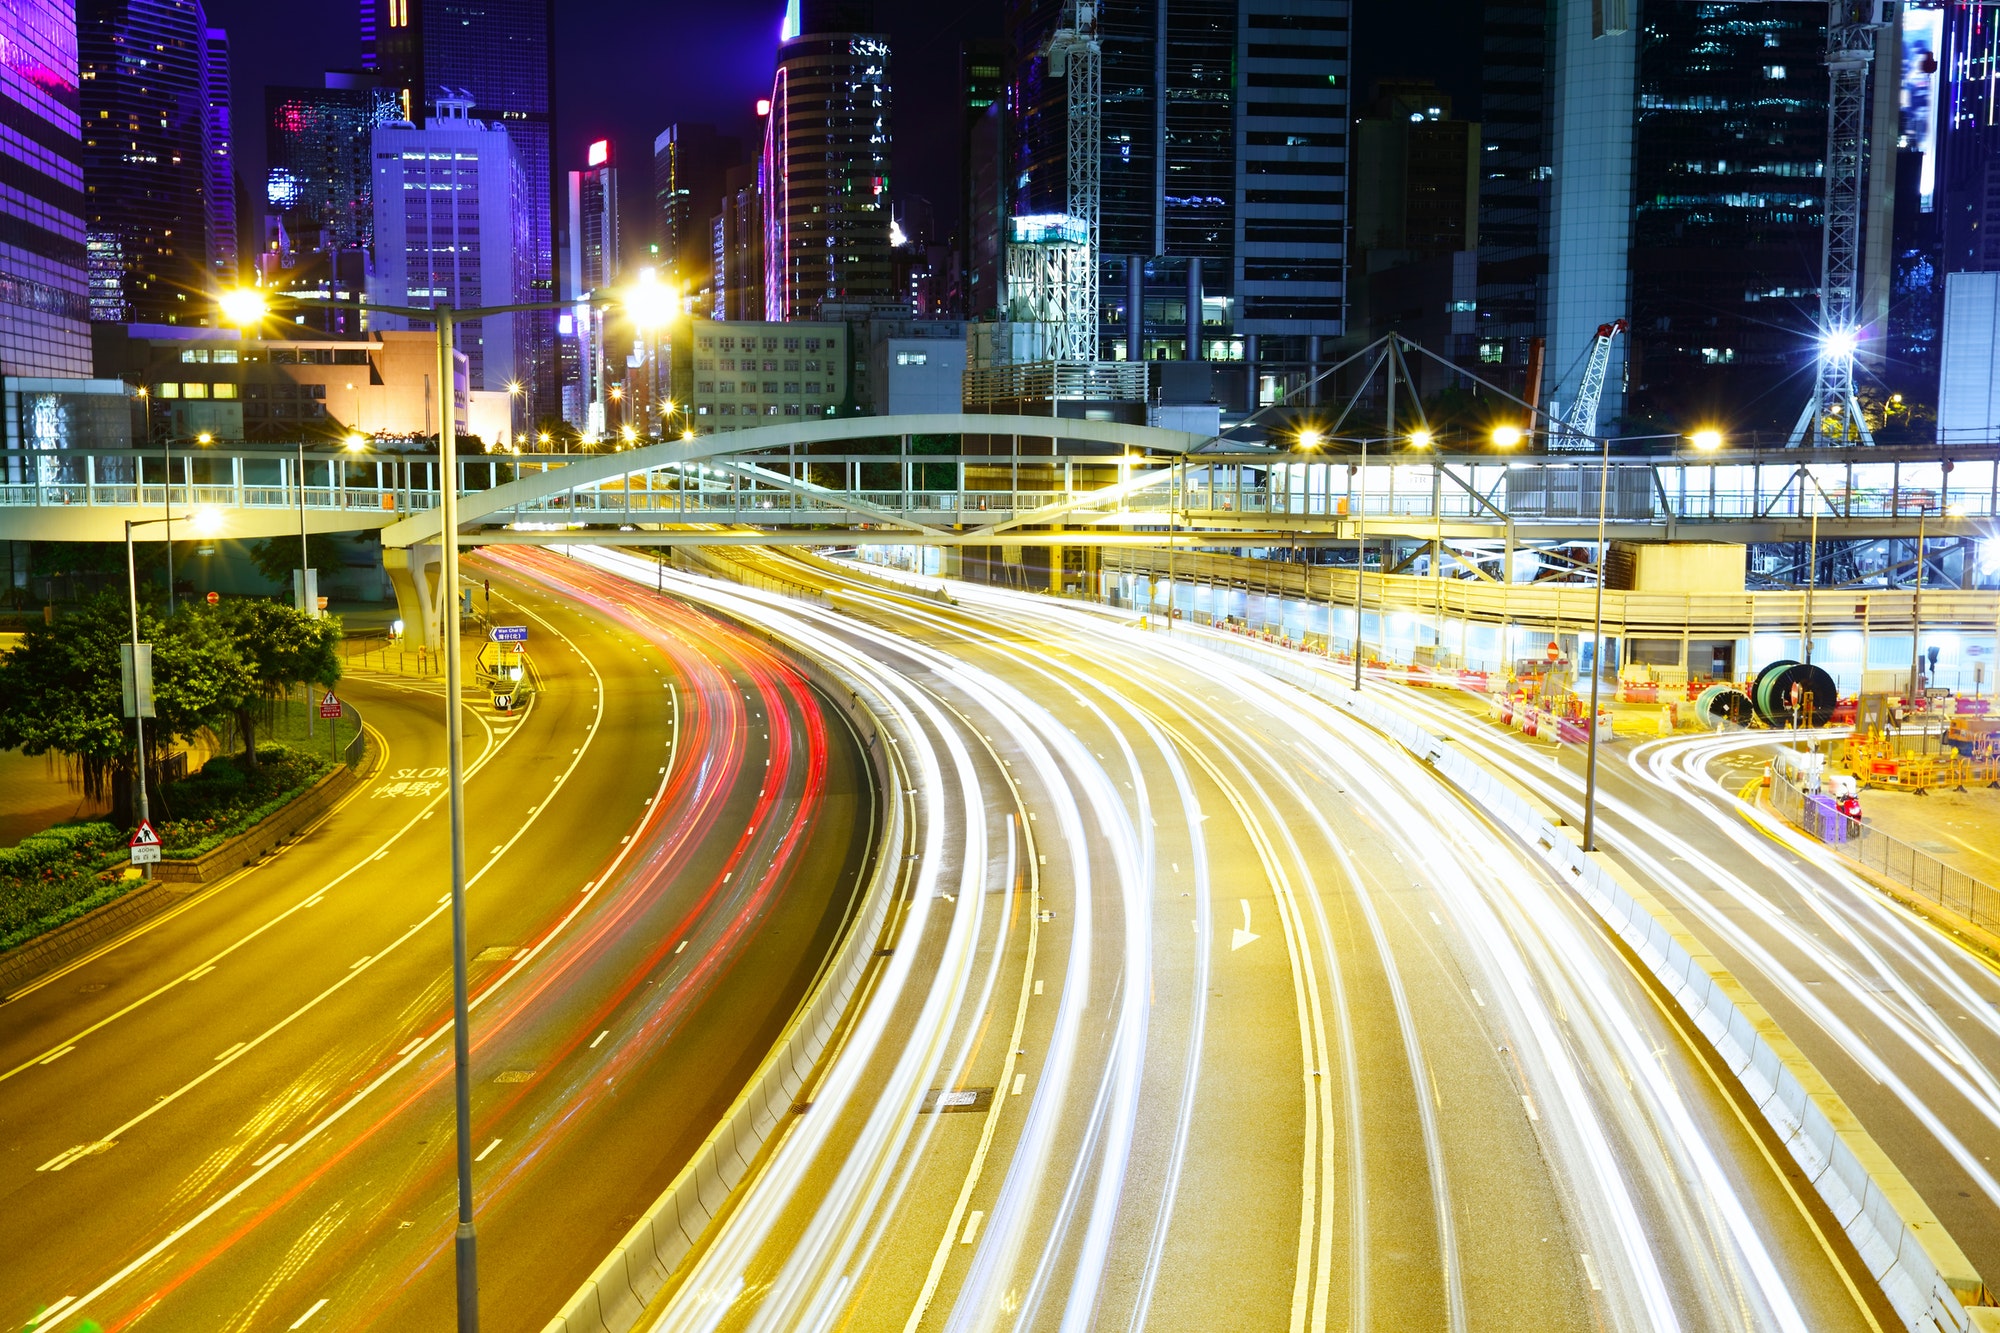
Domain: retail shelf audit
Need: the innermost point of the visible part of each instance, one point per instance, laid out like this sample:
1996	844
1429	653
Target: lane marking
317	1306
1528	1103
487	1149
269	1153
600	1037
55	1056
231	1051
1239	938
971	1227
1020	1081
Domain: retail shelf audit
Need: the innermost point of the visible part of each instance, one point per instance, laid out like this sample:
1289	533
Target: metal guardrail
1962	895
351	754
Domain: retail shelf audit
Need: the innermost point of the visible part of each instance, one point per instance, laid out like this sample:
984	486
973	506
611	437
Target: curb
1920	1269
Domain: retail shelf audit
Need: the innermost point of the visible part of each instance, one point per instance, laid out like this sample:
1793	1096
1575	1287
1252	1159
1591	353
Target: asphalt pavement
1212	1009
239	1117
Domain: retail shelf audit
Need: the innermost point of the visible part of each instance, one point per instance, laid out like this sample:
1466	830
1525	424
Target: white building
452	227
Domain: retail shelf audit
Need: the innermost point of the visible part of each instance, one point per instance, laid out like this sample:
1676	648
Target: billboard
1923	39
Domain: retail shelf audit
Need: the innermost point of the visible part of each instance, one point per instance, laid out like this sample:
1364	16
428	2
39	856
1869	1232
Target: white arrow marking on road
1239	938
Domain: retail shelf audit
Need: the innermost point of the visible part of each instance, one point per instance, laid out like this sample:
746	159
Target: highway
1211	1009
1903	1020
239	1117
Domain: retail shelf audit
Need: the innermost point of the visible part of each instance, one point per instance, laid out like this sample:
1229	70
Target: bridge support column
412	573
951	562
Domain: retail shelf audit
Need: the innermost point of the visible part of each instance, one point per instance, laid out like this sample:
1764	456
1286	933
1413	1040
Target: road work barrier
1919	1267
613	1298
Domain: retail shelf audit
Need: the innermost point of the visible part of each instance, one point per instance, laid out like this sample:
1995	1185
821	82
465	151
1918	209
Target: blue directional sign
510	634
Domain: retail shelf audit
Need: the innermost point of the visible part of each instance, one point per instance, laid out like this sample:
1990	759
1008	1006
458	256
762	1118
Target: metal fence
1923	875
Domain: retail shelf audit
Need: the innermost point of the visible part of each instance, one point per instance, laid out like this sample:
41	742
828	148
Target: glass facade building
1730	197
1223	168
145	101
44	292
317	143
825	166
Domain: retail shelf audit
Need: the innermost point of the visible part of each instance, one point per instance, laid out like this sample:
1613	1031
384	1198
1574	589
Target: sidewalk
1961	829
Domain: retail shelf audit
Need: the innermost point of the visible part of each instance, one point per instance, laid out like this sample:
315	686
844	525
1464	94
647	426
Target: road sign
214	598
135	678
1555	651
328	705
145	845
510	634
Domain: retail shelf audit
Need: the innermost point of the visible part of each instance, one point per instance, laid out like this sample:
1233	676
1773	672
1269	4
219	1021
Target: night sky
626	69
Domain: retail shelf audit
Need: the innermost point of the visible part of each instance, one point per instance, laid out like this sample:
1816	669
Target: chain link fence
1922	874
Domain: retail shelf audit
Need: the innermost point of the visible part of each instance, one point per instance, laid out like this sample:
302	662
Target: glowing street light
1706	440
355	442
1421	438
244	307
1310	438
1840	344
1506	436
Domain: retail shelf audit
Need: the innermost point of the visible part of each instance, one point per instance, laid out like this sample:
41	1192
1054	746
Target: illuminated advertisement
1923	36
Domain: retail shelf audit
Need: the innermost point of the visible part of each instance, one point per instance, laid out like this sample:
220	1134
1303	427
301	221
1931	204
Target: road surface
240	1118
1211	1009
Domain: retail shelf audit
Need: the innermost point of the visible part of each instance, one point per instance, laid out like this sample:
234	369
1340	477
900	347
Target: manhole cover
942	1100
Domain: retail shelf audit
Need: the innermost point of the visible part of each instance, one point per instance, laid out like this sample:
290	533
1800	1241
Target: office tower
983	200
146	141
592	264
454	224
1513	187
223	260
44	288
739	246
1416	221
826	163
501	53
318	144
689	162
1223	170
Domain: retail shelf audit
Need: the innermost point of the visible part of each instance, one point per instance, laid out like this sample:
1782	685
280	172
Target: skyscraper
739	247
44	291
452	225
983	203
221	158
592	264
825	163
501	53
318	146
688	165
1223	164
145	100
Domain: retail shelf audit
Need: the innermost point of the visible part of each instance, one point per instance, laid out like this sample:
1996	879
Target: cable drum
1719	706
1781	683
1763	678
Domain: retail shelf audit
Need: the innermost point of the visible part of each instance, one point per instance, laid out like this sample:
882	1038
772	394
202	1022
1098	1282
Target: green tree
281	648
277	558
63	693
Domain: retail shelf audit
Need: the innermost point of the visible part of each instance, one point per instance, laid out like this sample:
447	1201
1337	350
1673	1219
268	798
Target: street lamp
1707	439
245	307
1506	436
206	523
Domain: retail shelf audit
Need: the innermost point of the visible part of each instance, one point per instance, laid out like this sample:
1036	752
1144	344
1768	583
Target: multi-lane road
1200	1006
1212	1009
240	1117
1902	1019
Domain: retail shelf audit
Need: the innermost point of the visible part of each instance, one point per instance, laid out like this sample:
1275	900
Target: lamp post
1917	604
1596	660
245	307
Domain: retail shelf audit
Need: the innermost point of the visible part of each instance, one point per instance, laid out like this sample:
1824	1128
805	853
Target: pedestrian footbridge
970	479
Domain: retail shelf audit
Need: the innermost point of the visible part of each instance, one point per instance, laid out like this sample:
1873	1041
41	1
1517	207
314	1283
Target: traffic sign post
145	845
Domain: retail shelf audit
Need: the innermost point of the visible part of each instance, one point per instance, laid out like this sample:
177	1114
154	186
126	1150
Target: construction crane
1578	429
1075	55
1851	30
